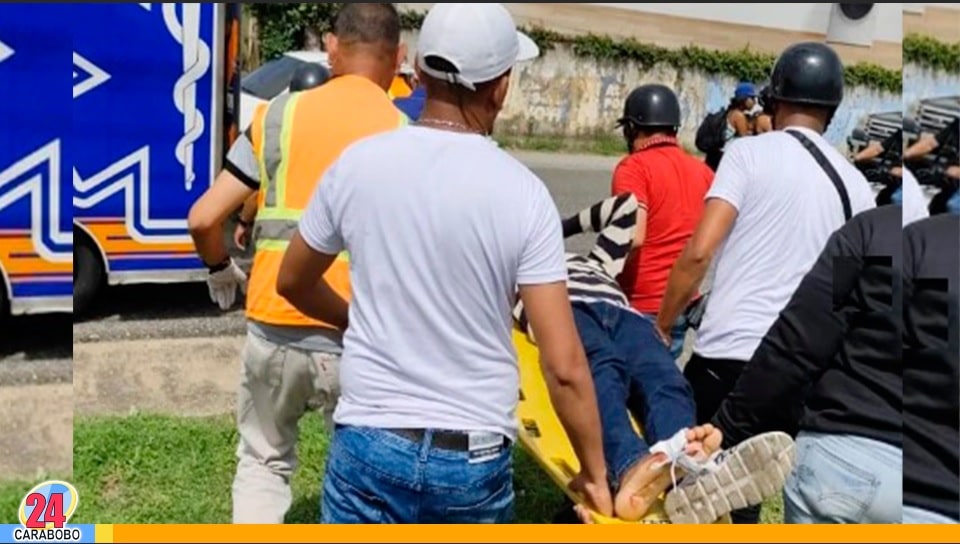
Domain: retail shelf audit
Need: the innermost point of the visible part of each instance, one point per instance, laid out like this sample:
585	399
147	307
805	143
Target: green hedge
931	53
741	64
282	24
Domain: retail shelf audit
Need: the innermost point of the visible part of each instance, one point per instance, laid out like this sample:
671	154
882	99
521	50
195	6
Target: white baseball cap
480	41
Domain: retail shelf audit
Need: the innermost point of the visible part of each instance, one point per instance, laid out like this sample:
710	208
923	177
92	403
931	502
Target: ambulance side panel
36	215
146	137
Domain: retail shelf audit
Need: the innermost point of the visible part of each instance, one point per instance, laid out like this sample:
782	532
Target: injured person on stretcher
635	374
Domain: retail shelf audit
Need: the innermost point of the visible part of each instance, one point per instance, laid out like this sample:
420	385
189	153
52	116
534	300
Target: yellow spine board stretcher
543	436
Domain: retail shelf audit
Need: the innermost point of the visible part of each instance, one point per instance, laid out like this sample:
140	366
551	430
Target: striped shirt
592	278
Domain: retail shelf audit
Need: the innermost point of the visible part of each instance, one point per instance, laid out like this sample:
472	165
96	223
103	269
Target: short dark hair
650	131
371	24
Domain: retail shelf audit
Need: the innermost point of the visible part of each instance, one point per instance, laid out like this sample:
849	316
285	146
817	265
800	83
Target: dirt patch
110	486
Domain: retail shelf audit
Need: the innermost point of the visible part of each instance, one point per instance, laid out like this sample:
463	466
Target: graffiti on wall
924	83
561	94
565	95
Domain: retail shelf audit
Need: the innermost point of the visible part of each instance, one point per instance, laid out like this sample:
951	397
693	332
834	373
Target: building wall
942	21
793	17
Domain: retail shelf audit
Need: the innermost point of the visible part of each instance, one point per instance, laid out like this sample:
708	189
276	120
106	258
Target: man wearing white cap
442	227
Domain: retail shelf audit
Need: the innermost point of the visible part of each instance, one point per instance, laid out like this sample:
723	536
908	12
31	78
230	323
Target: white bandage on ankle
675	449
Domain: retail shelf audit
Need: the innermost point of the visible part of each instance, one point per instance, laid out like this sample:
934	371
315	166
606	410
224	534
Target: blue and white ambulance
139	129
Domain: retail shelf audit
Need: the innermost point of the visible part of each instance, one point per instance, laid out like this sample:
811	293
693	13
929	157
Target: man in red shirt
670	187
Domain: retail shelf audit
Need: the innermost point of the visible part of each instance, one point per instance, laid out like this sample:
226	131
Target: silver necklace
443	123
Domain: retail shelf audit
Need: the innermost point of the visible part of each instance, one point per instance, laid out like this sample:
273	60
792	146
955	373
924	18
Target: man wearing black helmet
669	186
776	200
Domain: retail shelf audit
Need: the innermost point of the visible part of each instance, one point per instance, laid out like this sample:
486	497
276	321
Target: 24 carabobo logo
45	511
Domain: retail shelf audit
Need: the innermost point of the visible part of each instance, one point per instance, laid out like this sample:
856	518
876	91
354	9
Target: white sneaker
743	476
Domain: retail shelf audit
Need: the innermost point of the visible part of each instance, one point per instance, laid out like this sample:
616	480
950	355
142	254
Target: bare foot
642	485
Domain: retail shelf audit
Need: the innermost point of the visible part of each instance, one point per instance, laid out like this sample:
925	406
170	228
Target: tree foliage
283	26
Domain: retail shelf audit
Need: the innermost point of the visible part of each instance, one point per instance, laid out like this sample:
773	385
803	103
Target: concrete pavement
36	437
179	376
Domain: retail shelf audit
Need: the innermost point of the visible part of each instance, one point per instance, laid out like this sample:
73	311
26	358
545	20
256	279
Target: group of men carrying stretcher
635	374
441	228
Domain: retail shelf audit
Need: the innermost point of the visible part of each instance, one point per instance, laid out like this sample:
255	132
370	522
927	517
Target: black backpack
710	135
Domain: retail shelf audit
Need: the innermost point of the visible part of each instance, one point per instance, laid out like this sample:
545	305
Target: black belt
442	440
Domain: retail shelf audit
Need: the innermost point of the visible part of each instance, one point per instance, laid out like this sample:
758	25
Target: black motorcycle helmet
647	107
766	100
911	127
651	106
308	76
808	73
858	138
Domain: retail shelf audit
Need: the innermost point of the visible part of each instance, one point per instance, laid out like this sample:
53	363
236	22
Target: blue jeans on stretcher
632	370
678	335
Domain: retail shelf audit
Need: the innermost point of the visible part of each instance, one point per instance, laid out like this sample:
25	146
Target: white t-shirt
915	206
787	210
441	228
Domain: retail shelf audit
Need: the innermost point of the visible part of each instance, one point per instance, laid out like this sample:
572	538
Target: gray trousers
278	386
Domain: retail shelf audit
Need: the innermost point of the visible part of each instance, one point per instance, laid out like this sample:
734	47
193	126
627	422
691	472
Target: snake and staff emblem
196	63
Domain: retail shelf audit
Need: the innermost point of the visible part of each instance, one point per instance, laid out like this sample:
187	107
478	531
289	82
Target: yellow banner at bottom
525	533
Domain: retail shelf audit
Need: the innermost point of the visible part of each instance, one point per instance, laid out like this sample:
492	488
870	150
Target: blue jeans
377	477
632	369
846	480
897	197
953	205
678	335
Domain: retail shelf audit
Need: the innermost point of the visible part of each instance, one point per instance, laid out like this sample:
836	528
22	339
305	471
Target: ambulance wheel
88	273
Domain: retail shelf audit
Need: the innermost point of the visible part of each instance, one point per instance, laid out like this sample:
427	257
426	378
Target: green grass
160	470
606	145
610	146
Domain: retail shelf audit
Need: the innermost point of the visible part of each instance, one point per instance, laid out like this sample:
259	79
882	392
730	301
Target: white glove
224	284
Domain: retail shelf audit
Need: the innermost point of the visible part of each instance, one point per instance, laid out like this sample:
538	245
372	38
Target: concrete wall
564	95
921	83
561	94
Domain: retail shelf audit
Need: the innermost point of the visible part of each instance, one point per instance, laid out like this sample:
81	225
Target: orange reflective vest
296	138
